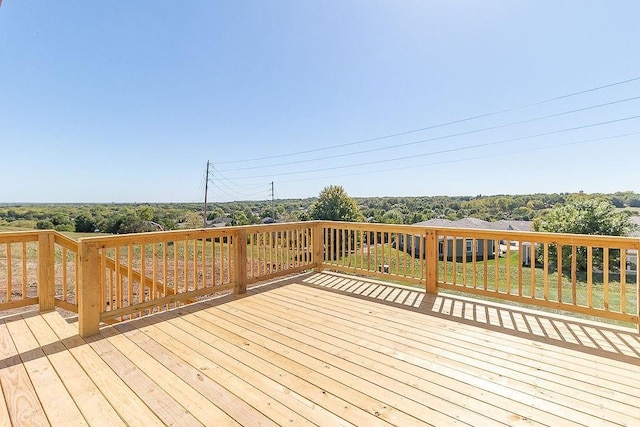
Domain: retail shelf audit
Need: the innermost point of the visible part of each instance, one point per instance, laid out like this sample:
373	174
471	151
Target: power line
390	147
449	150
241	186
546	147
557	98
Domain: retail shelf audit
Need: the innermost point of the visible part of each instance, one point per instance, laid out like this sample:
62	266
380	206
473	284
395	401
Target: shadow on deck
322	349
591	337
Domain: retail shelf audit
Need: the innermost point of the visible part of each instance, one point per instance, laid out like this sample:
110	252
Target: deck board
445	341
58	404
20	397
518	381
94	406
322	349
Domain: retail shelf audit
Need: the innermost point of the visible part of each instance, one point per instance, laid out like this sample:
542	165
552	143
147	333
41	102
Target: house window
469	246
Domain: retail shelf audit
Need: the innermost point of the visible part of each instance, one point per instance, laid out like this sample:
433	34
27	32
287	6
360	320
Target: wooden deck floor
322	349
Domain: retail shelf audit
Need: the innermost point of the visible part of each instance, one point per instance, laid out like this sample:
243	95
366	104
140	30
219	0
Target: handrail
111	278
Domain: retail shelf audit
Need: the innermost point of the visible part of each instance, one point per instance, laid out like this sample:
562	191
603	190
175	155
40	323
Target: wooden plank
445	394
88	290
282	405
157	385
94	406
352	322
320	402
198	405
452	380
130	407
9	284
20	397
56	401
316	356
18	303
333	382
622	374
170	299
196	371
5	418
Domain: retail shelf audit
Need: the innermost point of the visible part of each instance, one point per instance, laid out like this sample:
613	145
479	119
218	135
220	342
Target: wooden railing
113	278
37	267
66	260
132	275
591	275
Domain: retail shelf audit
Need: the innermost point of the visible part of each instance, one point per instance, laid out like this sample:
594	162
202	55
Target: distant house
268	220
463	247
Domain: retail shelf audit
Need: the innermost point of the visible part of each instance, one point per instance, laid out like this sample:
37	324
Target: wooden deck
322	349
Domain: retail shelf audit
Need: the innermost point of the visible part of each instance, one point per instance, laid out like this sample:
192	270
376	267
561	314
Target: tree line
128	218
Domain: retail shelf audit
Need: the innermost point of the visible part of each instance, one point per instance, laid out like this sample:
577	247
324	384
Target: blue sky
126	101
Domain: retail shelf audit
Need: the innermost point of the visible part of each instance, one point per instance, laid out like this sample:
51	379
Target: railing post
46	272
431	260
318	245
240	261
88	289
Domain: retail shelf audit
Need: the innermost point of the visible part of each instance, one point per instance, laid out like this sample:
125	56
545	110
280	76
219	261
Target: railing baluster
559	270
623	281
605	278
508	266
520	267
590	276
545	272
10	273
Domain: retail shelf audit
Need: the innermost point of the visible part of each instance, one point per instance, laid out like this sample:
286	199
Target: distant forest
128	218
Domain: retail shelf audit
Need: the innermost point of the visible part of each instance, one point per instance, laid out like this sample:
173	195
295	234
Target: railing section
379	250
277	249
593	275
137	274
19	269
65	272
116	278
37	267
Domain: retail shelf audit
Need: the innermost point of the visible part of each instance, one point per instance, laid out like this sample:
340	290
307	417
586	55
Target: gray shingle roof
503	224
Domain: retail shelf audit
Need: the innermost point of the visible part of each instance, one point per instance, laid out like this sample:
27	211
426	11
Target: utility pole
273	206
206	192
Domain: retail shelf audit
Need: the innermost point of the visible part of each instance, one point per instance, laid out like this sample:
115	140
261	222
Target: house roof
479	224
635	220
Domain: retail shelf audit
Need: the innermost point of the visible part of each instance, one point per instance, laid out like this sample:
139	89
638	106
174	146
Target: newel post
46	273
431	259
317	241
240	261
88	289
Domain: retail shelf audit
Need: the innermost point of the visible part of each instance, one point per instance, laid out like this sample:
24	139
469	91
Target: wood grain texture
322	349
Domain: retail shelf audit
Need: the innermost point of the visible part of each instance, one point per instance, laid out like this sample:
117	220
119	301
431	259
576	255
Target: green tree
44	224
334	204
585	216
85	224
393	216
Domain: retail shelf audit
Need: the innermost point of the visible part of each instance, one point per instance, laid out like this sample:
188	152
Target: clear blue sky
126	101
